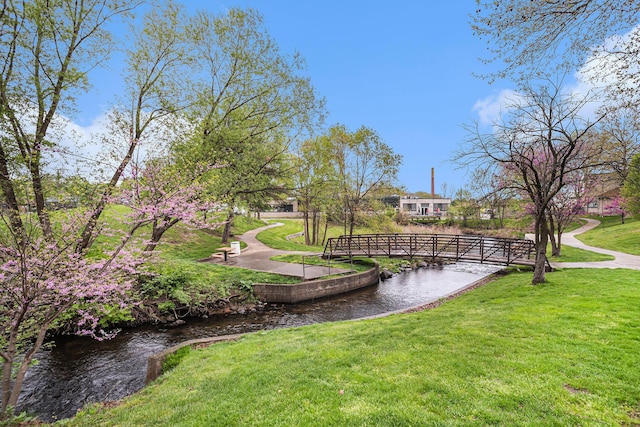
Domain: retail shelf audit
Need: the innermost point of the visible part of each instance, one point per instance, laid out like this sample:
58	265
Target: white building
432	206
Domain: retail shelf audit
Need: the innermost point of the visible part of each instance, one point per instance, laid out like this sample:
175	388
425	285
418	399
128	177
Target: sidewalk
256	257
622	260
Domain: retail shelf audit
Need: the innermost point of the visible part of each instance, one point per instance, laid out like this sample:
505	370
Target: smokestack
433	184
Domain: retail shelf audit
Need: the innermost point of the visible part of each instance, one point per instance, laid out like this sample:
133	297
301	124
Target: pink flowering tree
44	281
537	145
161	197
616	206
570	202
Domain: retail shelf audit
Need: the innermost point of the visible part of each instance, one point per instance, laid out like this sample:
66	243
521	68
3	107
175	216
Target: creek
78	371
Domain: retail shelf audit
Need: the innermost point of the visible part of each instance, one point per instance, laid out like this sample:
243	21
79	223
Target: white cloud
96	150
490	108
601	70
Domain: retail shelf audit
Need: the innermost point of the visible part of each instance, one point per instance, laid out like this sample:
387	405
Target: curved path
256	257
622	260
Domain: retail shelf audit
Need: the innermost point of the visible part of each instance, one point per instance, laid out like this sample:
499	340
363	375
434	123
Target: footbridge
471	248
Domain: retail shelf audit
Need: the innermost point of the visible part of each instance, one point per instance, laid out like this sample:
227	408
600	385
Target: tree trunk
158	231
15	220
6	385
555	249
313	238
12	398
542	236
316	226
352	222
86	237
305	217
226	234
38	192
559	243
326	228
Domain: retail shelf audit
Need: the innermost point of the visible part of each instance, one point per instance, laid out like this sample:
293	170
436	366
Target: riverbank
506	353
80	370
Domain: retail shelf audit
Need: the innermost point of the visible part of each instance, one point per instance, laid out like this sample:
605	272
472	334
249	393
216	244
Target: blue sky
404	69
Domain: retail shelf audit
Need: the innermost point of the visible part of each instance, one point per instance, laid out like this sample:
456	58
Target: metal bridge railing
458	247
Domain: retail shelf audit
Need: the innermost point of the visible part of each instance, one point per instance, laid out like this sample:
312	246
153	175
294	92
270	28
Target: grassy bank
613	234
277	237
563	353
571	254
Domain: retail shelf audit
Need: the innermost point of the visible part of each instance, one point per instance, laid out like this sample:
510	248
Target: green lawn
614	235
560	354
276	237
571	254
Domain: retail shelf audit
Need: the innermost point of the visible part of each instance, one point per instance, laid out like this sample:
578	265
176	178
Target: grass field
560	354
614	235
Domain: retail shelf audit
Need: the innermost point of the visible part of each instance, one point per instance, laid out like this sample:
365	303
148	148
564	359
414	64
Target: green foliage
505	354
245	286
165	284
113	314
166	307
175	358
10	419
631	188
379	220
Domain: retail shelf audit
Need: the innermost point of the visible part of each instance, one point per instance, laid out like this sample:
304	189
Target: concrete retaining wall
314	289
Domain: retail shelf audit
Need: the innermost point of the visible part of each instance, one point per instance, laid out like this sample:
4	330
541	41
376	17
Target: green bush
167	284
115	315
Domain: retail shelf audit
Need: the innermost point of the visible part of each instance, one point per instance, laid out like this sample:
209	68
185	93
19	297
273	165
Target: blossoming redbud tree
43	281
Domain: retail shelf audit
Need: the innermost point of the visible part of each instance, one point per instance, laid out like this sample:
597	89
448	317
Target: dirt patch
574	390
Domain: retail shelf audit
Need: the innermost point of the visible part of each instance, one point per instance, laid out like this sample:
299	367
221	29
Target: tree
464	205
616	207
159	89
253	102
315	184
364	164
488	186
538	144
631	188
620	139
160	196
529	37
41	281
566	205
48	48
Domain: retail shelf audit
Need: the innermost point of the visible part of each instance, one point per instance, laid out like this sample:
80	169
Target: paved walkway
622	260
256	257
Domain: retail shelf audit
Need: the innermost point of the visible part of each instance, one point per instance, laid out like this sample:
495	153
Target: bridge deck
433	246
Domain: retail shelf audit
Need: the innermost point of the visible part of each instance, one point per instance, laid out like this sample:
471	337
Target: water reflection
78	370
